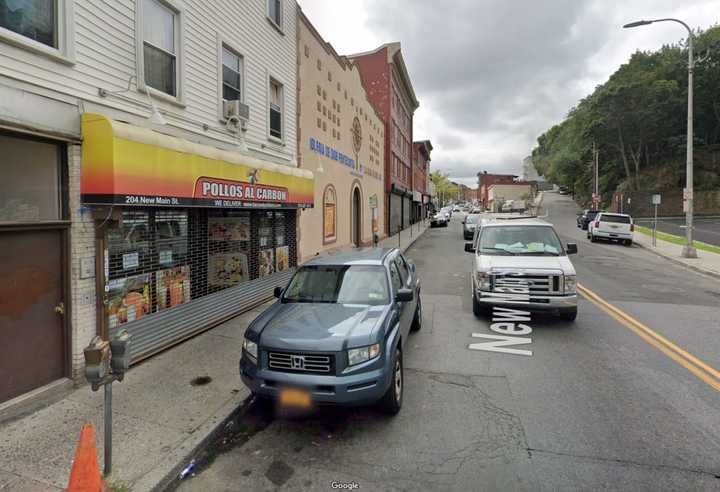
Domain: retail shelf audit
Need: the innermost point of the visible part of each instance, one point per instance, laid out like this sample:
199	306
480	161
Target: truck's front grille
299	362
536	284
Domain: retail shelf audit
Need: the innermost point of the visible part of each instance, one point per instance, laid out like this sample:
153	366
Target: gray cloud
493	74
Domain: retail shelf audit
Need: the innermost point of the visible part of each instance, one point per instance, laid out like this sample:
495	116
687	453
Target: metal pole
689	250
399	232
655	227
107	467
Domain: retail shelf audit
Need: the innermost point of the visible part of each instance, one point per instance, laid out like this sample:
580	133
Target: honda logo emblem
298	362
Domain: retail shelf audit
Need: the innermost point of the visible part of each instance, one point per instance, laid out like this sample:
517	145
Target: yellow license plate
293	397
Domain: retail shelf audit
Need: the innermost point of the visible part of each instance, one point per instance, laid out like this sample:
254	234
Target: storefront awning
131	165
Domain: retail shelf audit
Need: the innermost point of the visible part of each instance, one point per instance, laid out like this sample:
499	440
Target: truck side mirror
120	354
404	295
278	292
469	248
97	361
571	248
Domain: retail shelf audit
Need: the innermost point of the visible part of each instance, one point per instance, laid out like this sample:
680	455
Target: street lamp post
688	250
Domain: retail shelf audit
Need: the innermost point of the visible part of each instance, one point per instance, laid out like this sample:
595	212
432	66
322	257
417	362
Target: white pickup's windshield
520	240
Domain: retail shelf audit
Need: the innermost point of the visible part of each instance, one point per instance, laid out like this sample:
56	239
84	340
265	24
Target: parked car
613	227
523	253
470	222
440	219
585	217
563	191
337	333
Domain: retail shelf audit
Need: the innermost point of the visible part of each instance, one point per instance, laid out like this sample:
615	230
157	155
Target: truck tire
569	315
391	402
417	320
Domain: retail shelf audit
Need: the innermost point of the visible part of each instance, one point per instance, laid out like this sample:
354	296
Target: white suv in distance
522	264
613	227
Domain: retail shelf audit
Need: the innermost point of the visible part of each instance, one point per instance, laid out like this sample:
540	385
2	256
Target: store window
30	190
329	215
229	249
160	259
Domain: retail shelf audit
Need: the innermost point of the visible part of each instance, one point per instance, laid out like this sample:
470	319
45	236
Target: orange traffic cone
85	473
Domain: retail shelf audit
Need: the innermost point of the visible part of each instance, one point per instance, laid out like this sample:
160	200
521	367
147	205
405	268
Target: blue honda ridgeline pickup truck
337	333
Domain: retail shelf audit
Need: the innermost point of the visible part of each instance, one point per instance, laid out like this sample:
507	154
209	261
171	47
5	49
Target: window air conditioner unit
236	109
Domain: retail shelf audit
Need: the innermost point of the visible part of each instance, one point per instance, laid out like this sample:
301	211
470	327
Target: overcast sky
492	75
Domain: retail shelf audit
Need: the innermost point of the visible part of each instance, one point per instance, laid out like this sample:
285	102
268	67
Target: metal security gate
172	273
158	331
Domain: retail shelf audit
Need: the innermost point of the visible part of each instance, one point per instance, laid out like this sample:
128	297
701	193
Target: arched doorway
356	217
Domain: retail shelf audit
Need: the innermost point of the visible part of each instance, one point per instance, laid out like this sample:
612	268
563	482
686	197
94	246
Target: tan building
499	193
340	139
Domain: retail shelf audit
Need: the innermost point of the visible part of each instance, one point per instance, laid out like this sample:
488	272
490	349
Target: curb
705	271
170	480
404	248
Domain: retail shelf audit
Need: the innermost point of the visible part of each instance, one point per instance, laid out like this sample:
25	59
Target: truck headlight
570	284
362	354
250	348
482	280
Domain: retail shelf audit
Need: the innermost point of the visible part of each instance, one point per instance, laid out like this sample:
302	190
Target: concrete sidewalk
160	416
706	262
406	237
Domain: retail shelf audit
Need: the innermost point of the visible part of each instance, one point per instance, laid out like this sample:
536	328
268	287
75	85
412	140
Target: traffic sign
656	199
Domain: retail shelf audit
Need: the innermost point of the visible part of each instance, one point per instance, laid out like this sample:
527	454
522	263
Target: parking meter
120	354
97	361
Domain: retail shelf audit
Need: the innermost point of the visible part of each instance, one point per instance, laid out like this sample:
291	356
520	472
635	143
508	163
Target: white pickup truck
520	263
613	227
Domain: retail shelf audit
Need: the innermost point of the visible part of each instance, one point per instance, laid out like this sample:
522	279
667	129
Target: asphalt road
594	407
706	230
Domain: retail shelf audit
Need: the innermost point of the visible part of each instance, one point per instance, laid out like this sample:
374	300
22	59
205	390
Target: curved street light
688	250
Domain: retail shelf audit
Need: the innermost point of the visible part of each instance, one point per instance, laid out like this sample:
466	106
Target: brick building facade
421	171
390	91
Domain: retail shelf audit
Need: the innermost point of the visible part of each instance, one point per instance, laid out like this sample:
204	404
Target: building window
319	64
276	109
44	26
232	75
319	91
307	51
324	111
324	95
319	106
346	95
329	77
160	35
275	12
319	123
329	215
338	86
32	19
352	102
324	126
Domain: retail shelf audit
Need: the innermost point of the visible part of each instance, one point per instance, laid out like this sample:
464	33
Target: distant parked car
440	219
613	227
337	333
585	217
470	222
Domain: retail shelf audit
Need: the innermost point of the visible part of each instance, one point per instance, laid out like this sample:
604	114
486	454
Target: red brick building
485	180
390	91
421	171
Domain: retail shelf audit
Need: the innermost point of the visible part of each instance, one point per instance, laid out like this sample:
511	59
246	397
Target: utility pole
688	250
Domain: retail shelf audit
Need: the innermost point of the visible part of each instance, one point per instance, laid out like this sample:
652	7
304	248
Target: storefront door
31	305
33	245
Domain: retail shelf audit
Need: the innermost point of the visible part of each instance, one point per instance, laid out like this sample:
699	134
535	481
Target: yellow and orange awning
131	165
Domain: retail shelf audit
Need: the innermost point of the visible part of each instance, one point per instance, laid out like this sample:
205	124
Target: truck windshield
520	240
341	284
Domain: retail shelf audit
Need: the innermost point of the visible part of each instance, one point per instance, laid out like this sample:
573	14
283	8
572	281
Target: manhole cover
200	381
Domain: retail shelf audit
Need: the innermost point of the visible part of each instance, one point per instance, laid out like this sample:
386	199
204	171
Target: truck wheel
478	309
569	315
593	239
391	402
628	242
417	320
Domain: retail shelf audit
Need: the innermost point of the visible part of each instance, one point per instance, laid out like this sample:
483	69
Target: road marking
697	367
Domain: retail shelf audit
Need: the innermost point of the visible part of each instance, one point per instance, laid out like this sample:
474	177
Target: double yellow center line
703	371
